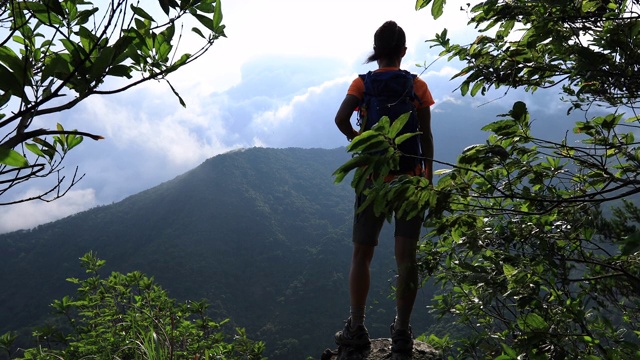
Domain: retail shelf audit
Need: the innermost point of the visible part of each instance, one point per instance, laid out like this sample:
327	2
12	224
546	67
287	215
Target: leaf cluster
129	316
55	54
530	222
375	158
526	253
589	48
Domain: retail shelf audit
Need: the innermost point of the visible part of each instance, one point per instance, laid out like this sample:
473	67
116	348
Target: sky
276	80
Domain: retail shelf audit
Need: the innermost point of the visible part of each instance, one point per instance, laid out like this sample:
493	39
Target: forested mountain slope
262	234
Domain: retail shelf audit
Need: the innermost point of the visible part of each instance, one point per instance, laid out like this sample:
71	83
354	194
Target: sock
357	316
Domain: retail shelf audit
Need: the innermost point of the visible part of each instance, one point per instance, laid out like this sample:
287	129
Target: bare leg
359	280
407	284
359	277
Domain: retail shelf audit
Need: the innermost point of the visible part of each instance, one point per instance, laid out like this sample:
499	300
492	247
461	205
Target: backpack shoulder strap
364	76
367	86
413	94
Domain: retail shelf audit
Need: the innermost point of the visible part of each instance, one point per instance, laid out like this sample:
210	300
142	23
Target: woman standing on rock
388	50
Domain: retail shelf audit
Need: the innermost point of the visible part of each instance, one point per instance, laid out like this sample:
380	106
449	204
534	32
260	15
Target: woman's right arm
343	117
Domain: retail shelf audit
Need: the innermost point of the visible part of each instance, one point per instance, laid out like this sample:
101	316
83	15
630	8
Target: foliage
378	150
530	264
128	316
521	241
55	54
589	47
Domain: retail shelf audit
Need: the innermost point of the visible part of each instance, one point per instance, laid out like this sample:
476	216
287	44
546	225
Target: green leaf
509	351
164	4
532	322
472	148
358	143
12	158
504	357
421	4
464	88
11	59
57	67
437	8
398	124
7	340
102	62
377	145
77	52
588	6
382	126
177	95
507	26
73	140
140	12
120	71
4	98
631	244
10	82
121	48
508	270
476	87
55	6
500	126
593	357
207	22
610	121
34	149
168	33
197	31
43	12
400	139
217	16
587	339
353	163
84	15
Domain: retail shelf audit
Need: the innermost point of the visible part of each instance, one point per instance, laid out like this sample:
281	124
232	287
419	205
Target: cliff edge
380	349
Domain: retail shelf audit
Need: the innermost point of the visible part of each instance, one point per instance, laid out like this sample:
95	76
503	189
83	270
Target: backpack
390	93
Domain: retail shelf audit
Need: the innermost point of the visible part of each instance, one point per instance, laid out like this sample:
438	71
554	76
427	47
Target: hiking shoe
356	337
401	340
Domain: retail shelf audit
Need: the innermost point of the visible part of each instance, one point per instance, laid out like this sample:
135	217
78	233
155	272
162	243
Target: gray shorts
367	226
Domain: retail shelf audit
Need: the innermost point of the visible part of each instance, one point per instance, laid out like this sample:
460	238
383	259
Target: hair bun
388	41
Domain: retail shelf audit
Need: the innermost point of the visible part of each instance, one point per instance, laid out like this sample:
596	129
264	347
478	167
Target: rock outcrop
380	349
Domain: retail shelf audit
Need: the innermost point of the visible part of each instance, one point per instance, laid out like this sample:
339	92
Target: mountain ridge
262	234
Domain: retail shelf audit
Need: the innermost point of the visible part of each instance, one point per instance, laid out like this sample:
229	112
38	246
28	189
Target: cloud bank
276	81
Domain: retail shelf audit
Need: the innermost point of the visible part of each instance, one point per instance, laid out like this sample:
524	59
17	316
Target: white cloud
445	71
451	99
290	28
180	136
284	114
275	81
29	214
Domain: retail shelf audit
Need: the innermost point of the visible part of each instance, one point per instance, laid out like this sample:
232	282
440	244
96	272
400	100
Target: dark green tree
522	240
56	53
129	316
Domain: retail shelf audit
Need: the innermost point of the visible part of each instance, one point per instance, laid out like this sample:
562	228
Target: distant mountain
262	234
